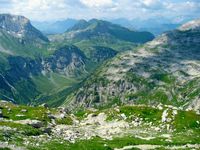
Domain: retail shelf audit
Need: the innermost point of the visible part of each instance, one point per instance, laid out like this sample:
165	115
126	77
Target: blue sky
41	10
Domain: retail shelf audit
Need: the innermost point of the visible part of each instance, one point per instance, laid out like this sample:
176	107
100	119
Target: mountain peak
93	23
191	25
13	23
20	27
99	28
81	24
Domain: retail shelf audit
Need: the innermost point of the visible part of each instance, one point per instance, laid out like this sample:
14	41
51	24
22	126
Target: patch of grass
52	82
80	113
14	112
67	121
101	144
187	120
111	102
148	113
164	77
23	129
5	148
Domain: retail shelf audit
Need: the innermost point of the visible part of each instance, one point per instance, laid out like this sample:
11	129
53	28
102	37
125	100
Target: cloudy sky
40	10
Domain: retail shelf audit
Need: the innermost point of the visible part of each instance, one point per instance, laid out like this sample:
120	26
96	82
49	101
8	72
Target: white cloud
152	4
97	3
39	9
36	5
183	6
149	2
86	9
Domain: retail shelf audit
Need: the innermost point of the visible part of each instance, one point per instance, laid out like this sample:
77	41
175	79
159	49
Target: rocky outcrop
192	25
21	27
68	60
100	53
33	123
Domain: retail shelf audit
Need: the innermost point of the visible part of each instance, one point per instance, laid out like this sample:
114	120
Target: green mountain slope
26	78
94	27
34	70
165	71
101	33
30	66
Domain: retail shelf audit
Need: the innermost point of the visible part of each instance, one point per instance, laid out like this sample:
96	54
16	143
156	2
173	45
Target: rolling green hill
101	33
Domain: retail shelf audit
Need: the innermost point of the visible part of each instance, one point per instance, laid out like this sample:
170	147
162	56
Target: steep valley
35	70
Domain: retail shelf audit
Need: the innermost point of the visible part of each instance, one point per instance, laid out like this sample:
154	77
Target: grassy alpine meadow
134	126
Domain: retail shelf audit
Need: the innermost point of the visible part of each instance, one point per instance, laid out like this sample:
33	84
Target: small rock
36	123
157	128
50	116
20	115
62	116
61	109
53	122
117	109
123	116
164	115
1	113
45	105
175	112
23	110
48	130
94	115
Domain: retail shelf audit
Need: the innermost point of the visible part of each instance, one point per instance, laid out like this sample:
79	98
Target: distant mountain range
94	28
155	26
54	27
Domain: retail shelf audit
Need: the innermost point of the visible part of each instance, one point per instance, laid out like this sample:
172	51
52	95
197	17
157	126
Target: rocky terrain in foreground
124	127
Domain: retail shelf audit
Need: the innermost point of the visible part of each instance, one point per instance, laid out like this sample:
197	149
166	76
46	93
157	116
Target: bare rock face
68	60
192	25
21	27
13	23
